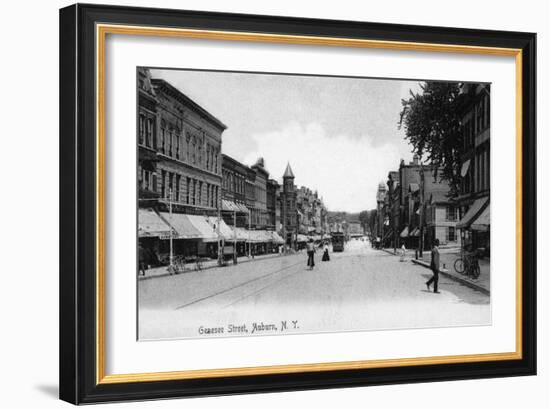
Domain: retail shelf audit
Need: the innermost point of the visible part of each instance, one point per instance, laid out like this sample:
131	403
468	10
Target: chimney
415	160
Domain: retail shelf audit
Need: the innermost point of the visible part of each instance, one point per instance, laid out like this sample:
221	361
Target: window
171	185
141	129
200	193
177	196
162	139
450	213
163	184
451	234
149	135
188	190
168	143
187	145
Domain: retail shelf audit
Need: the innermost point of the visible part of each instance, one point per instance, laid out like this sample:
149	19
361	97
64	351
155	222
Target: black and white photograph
276	204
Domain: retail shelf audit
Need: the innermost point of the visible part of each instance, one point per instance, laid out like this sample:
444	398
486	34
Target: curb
167	274
461	280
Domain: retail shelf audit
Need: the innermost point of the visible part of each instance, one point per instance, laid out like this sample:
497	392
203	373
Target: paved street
359	289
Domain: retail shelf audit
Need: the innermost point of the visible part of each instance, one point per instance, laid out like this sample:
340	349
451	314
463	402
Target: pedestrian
142	260
434	265
310	253
403	252
326	257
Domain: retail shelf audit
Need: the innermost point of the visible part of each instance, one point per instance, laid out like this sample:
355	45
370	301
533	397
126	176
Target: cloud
345	170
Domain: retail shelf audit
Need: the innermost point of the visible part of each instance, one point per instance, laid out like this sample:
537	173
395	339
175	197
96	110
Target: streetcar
337	239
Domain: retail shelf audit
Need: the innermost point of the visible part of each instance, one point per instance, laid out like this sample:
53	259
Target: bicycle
177	266
468	265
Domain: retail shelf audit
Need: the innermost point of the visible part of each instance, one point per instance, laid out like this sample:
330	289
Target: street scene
273	204
360	288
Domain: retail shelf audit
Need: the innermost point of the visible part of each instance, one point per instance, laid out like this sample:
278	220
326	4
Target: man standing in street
434	265
310	252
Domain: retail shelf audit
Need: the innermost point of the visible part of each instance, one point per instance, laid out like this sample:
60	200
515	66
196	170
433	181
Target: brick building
474	198
179	173
189	151
234	175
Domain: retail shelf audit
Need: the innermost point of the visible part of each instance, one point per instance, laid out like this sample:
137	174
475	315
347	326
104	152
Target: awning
483	222
226	232
182	225
242	234
472	213
413	187
276	238
150	224
206	228
259	236
415	232
229	206
405	232
302	238
243	208
465	167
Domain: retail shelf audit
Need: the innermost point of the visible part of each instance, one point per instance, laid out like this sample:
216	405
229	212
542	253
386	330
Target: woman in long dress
326	257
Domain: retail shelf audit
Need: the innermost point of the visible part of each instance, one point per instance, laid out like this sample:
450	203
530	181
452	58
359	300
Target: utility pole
234	237
220	240
421	237
249	228
171	266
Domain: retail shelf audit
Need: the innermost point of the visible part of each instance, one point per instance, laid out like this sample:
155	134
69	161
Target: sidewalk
447	259
162	271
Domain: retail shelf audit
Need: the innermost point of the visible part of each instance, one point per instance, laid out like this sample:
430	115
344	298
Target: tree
432	124
364	218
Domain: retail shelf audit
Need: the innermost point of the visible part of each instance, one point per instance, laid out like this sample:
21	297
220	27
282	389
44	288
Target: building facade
474	198
259	211
189	151
289	214
273	214
179	173
234	176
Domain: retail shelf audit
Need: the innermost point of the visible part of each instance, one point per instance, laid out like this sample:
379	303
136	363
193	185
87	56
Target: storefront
475	226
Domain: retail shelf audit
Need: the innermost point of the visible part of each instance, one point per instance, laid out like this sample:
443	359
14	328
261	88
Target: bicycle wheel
459	265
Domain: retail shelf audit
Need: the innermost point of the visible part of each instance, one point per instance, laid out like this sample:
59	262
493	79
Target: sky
340	135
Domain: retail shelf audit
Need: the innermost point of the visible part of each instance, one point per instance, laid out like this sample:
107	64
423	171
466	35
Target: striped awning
483	222
206	226
150	224
275	238
182	225
475	209
230	206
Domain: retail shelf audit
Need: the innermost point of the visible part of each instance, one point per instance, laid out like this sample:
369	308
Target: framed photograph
259	204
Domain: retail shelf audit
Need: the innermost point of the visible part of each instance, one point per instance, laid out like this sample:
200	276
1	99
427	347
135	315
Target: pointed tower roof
288	172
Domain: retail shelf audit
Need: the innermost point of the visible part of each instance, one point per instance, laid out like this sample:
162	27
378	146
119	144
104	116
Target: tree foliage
432	123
